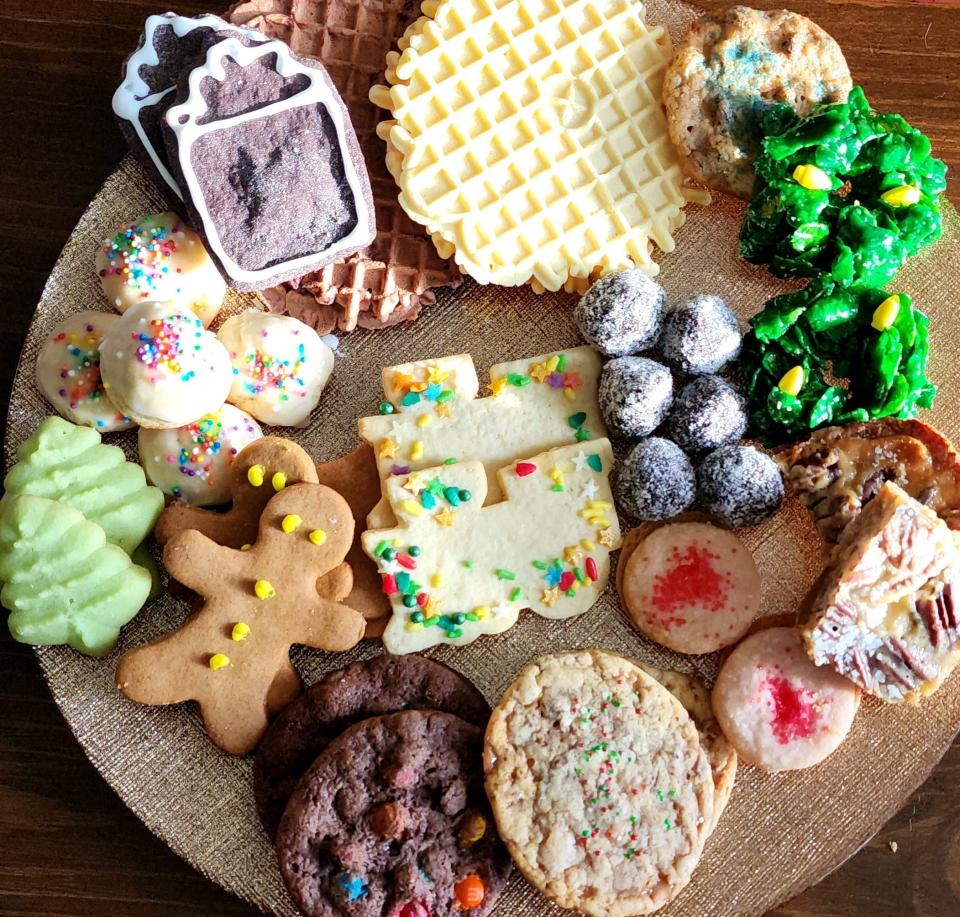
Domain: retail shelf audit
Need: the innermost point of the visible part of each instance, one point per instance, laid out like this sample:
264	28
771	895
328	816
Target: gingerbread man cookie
355	478
285	589
261	470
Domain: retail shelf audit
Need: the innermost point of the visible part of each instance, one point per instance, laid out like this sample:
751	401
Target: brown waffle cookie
390	280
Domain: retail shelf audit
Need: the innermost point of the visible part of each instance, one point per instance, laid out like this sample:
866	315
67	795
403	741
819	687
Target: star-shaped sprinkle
572	554
498	609
498	385
540	372
443	409
415	483
432	391
432	607
580	461
606	538
436	374
388	449
445	517
589	490
402	381
550	596
553	575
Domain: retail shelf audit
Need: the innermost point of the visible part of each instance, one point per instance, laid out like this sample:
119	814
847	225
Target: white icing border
133	94
189	132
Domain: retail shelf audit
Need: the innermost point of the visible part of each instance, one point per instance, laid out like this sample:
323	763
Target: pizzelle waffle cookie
391	279
531	140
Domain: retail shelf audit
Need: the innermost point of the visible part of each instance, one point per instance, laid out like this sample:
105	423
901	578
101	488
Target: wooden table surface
69	846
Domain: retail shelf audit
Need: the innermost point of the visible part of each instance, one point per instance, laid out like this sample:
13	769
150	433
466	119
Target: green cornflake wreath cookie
845	193
803	345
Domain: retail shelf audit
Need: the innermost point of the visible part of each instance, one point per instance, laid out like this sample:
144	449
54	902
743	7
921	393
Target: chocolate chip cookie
391	819
384	684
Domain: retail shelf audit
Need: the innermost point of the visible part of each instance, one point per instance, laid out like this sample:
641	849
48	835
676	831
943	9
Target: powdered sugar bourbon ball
739	486
700	335
635	394
621	313
707	413
656	481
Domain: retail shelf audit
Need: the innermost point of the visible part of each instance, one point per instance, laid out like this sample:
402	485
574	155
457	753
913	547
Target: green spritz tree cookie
63	582
64	462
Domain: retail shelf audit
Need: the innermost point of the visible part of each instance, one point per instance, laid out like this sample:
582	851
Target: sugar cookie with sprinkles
455	569
192	463
162	368
431	415
158	258
280	366
599	785
68	372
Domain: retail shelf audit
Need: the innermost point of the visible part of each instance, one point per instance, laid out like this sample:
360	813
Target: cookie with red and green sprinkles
598	782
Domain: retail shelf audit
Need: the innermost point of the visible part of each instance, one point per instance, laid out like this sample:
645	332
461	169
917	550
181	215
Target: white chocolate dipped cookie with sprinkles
280	366
162	368
159	258
600	788
192	463
68	372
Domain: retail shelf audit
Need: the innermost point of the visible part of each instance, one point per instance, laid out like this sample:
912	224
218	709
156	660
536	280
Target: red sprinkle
389	583
422	599
591	566
405	560
524	468
795	715
566	581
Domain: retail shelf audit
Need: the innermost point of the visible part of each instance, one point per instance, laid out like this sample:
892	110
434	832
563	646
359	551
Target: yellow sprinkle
812	178
387	449
245	547
318	536
396	543
599	504
436	581
218	661
556	475
240	631
570	394
444	410
553	363
792	381
411	507
886	313
423	420
412	627
445	517
498	385
436	374
264	590
291	522
482	612
903	196
255	475
279	481
416	451
587	545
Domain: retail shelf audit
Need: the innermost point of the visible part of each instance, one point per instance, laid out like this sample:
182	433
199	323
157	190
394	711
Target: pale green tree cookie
64	462
63	582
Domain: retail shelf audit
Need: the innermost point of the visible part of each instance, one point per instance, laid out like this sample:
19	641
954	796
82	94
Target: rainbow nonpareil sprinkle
162	345
140	256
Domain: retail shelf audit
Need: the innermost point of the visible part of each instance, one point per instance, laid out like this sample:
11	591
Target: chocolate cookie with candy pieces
392	819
